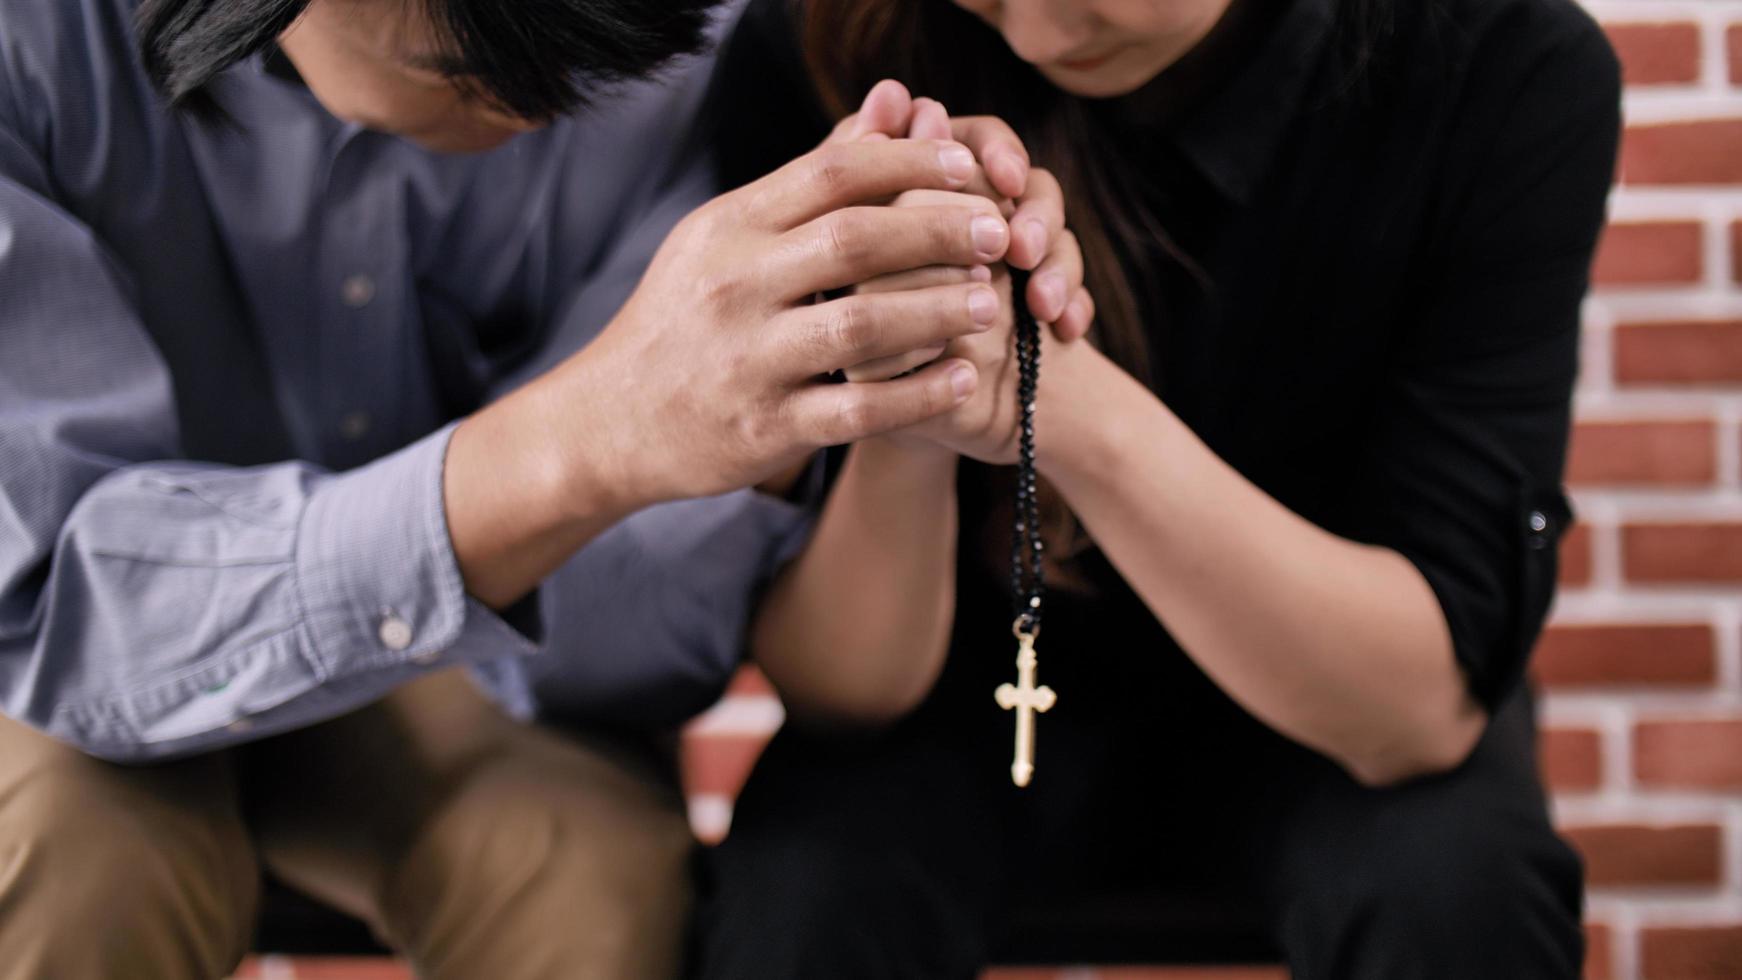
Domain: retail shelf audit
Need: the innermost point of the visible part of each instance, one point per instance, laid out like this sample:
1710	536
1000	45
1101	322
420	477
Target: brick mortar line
1645	107
1655	305
1659	604
740	714
1649	705
1729	457
1724	911
710	814
1728	634
1596	359
1592	612
1663	11
1642	404
1614	506
1644	203
1715	247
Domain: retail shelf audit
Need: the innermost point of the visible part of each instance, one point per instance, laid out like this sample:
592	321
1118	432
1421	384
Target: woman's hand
1029	196
984	427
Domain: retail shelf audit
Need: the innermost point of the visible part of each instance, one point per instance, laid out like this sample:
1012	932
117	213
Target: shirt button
354	426
395	633
1538	524
357	291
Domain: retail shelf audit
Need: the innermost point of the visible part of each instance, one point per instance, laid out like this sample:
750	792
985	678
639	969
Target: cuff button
1538	525
394	633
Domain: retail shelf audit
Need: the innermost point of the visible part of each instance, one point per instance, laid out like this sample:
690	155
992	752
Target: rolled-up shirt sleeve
1464	474
152	607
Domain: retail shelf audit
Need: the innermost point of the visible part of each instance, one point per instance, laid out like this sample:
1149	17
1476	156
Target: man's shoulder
63	62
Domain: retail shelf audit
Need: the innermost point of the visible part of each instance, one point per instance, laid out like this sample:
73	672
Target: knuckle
719	291
844	236
950	232
930	400
854	415
706	221
768	429
850	327
828	171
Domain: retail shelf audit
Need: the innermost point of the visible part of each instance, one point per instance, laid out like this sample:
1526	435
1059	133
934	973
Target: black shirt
1381	329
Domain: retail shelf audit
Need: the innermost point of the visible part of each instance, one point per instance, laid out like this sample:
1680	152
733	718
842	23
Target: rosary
1027	577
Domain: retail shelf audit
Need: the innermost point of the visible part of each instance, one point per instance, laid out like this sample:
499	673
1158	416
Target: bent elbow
842	711
1434	751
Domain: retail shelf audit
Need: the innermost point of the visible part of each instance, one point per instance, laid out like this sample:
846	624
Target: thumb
887	109
931	121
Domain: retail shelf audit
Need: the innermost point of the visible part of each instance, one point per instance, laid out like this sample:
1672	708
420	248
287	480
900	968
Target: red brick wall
1642	664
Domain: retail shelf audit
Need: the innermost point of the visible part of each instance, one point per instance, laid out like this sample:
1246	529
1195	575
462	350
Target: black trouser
903	854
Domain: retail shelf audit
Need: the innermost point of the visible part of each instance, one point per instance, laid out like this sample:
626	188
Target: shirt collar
1233	126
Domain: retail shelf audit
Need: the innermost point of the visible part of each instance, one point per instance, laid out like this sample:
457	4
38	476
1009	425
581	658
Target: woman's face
378	65
1099	48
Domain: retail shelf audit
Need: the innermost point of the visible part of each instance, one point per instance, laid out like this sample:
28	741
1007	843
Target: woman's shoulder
1507	41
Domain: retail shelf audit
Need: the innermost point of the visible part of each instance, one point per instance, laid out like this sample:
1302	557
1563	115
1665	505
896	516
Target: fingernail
958	162
982	305
1034	233
1052	289
990	236
980	273
962	381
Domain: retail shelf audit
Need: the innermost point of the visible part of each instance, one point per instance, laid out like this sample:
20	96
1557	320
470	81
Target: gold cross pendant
1026	699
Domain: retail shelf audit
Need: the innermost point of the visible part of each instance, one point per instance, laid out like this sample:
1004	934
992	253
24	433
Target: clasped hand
983	426
713	375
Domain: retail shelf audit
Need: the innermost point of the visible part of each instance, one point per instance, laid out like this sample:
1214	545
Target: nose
1041	31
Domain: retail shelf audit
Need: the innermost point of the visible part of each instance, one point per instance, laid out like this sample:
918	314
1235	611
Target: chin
1109	82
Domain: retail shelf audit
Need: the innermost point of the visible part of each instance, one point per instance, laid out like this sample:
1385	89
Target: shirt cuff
377	576
788	520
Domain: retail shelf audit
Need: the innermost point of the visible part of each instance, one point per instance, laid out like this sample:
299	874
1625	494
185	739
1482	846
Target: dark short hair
535	60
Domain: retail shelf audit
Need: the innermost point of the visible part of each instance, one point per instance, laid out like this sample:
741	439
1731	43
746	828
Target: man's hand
712	376
712	373
1033	201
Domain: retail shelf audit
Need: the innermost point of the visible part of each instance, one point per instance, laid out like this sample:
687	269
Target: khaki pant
482	848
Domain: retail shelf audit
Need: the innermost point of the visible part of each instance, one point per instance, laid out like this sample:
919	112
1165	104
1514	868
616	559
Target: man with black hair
257	494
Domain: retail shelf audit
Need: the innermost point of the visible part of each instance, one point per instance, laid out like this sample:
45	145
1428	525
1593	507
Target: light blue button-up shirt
229	362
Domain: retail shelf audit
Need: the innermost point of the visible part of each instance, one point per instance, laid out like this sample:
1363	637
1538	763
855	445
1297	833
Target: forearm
1339	645
856	628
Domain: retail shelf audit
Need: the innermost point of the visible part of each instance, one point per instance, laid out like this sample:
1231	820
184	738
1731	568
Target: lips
1089	63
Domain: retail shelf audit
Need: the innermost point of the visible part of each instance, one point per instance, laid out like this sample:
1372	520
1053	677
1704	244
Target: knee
1490	877
1444	892
513	859
172	892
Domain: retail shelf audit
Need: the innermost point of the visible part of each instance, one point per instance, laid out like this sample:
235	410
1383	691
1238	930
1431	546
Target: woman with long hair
1299	495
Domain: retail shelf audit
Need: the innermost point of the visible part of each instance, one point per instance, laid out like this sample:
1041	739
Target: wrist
909	454
577	471
1082	413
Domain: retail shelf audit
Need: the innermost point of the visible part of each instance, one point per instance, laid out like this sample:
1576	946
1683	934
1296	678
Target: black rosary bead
1027	576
